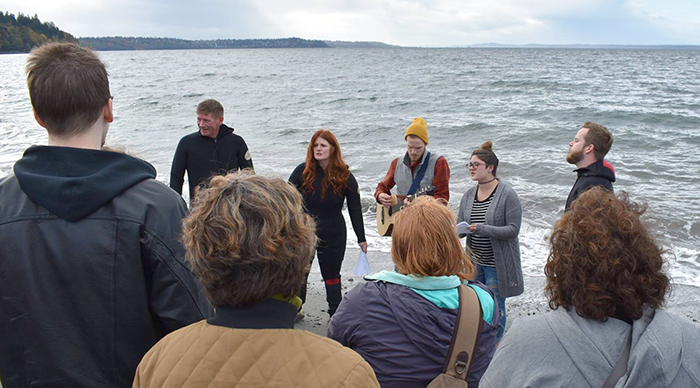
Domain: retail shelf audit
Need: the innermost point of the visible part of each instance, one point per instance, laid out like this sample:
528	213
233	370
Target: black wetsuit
331	229
600	173
203	157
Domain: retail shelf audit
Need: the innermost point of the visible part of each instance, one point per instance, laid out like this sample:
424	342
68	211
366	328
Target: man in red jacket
402	171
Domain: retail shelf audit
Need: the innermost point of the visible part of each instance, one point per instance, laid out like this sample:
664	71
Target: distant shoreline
120	43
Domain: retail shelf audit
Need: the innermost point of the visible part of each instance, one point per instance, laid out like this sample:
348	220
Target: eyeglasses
474	165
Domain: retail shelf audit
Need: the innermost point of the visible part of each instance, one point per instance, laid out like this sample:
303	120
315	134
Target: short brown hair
603	261
212	107
68	86
248	238
600	137
424	241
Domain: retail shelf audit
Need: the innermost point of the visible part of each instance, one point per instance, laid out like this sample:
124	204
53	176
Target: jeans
489	277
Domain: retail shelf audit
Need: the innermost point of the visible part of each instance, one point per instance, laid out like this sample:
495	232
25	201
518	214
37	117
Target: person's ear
38	119
108	111
589	148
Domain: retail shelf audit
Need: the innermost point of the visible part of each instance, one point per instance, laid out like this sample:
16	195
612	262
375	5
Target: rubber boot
333	295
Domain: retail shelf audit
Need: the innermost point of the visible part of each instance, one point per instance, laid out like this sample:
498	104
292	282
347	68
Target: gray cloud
404	22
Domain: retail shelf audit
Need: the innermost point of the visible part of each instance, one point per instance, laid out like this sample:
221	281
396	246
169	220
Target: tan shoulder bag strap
466	334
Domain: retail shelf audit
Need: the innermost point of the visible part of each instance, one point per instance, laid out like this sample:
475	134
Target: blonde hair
247	238
424	241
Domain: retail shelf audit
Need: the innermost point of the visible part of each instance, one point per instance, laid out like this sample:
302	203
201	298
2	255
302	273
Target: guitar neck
427	191
395	208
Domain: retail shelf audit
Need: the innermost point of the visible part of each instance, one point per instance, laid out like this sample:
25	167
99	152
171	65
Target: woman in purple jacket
402	322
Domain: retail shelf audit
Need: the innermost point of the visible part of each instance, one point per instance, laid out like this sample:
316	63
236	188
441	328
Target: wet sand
684	300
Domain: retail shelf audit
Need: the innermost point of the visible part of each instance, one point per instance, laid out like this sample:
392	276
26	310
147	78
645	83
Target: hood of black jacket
601	168
224	130
74	182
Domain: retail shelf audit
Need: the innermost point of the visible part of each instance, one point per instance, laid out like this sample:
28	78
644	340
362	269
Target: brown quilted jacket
205	355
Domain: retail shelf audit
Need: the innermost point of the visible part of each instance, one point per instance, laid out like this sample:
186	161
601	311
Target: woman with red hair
325	181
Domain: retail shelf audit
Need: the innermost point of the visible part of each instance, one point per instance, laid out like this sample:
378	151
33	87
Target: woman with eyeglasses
492	210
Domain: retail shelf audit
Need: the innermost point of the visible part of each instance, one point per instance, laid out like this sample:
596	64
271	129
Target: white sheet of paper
362	267
463	228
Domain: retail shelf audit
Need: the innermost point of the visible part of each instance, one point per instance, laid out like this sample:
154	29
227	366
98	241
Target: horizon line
466	45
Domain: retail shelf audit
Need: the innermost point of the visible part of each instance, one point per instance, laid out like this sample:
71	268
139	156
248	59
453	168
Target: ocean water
529	102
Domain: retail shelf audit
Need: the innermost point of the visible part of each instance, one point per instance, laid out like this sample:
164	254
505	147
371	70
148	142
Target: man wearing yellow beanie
416	163
418	128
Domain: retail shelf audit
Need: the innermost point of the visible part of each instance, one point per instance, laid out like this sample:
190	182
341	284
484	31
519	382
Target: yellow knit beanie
418	128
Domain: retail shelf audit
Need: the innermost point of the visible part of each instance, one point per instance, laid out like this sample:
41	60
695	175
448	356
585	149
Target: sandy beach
684	300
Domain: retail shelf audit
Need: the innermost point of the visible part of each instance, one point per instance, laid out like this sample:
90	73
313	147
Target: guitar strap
419	175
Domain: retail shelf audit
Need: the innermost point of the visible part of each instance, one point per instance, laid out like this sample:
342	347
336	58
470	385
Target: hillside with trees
139	43
20	34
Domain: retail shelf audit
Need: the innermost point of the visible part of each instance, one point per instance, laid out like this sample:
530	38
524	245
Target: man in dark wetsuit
586	151
214	149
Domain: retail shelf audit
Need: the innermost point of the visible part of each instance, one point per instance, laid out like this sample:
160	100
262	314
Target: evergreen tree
22	33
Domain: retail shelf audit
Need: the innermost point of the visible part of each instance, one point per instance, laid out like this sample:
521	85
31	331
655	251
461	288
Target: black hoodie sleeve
176	298
177	170
243	155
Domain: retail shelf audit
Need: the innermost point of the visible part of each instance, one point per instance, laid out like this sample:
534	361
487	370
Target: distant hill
20	34
587	46
135	43
345	44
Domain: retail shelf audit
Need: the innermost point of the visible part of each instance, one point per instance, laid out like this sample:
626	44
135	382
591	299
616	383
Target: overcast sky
400	22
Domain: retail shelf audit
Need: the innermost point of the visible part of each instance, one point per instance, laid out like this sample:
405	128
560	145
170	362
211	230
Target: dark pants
330	251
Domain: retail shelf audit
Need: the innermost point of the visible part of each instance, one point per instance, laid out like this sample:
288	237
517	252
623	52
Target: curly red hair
603	261
338	171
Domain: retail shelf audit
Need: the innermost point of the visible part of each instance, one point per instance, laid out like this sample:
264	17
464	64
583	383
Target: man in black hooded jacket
91	270
214	149
586	151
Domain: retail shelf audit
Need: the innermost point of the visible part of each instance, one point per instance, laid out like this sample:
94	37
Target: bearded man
587	151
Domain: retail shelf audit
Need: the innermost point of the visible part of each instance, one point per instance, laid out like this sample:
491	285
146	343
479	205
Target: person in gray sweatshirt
494	214
605	271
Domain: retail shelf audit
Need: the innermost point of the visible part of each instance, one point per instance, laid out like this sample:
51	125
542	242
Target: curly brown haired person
605	270
250	243
604	263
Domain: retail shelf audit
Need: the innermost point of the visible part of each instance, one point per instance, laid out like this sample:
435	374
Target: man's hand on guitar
384	199
407	201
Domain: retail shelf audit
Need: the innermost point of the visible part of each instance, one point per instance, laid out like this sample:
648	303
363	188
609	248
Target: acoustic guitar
385	216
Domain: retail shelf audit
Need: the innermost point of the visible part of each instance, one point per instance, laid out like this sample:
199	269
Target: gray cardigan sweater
502	226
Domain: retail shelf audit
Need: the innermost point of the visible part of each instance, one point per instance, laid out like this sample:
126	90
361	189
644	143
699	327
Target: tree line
21	33
139	43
